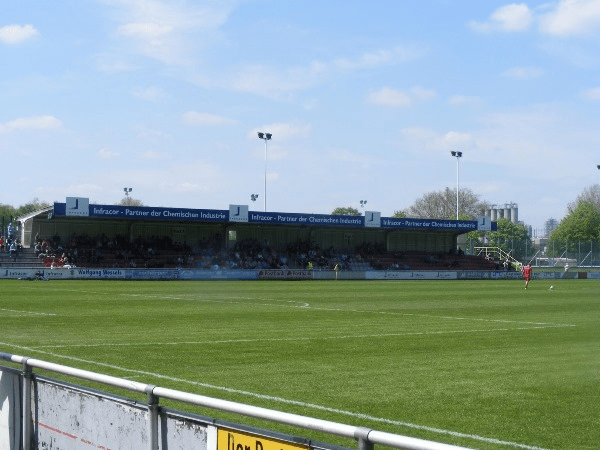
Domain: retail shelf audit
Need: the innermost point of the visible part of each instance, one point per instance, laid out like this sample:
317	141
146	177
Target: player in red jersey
527	270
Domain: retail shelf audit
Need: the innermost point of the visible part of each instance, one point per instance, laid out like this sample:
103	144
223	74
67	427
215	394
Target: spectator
11	231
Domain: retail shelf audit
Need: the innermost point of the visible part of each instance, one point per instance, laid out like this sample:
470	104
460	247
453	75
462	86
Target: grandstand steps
427	261
414	261
25	259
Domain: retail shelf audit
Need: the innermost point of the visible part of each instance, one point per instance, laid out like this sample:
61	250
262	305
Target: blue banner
144	212
431	224
275	218
321	220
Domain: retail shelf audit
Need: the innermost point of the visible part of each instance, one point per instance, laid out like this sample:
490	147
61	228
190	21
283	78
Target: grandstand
76	233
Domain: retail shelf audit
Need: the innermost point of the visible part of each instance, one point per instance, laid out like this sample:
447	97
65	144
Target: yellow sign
237	440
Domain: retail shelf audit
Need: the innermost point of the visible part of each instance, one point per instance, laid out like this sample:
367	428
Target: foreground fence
40	413
546	253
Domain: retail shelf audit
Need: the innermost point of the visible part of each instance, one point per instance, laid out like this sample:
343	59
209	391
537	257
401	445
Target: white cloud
425	139
399	99
198	118
30	123
147	31
169	31
458	140
378	58
272	83
523	73
572	17
15	34
150	154
108	63
351	157
107	153
422	93
463	100
150	94
592	94
389	97
509	18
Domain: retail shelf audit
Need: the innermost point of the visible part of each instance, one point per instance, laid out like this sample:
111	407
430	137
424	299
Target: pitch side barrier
38	412
272	274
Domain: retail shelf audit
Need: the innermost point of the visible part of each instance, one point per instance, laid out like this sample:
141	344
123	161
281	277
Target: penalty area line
291	402
295	339
27	313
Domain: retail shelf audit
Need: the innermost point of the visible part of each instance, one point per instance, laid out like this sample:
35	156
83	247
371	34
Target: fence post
362	435
152	418
27	420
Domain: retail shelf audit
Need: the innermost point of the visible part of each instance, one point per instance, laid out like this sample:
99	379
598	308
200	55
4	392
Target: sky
364	101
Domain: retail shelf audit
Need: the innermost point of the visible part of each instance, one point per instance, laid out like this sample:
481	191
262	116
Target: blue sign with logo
240	213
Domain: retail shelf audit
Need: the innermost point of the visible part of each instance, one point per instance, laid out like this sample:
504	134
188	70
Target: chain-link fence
548	253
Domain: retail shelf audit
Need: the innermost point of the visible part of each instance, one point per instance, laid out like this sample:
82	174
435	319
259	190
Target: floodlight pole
457	155
265	137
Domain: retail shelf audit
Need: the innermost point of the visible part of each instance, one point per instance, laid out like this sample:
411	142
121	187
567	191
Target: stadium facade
77	216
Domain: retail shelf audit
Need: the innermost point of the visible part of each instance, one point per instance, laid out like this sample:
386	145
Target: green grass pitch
482	364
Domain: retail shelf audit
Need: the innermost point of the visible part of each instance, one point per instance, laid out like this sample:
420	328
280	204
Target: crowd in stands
11	244
211	253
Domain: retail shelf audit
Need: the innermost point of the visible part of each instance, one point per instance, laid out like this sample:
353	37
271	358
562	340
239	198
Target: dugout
192	226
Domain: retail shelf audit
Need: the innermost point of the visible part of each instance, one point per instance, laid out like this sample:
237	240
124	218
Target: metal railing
365	437
497	254
547	253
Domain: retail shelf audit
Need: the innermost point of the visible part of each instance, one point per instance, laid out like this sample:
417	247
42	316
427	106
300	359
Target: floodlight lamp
268	136
598	166
453	153
458	154
261	135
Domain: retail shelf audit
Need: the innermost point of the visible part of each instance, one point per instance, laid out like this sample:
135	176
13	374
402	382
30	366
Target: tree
8	211
399	215
442	205
349	211
590	194
513	238
130	201
583	224
34	205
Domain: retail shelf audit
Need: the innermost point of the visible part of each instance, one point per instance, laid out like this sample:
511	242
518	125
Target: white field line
298	339
24	313
363	311
307	306
291	402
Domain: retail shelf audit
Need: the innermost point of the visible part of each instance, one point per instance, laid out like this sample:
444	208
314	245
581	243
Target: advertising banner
237	440
149	213
285	274
322	220
201	274
429	224
239	213
410	275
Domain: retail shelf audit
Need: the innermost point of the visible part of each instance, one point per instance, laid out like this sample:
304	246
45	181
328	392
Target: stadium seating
120	252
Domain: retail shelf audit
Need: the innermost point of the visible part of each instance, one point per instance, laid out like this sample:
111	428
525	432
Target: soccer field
481	364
